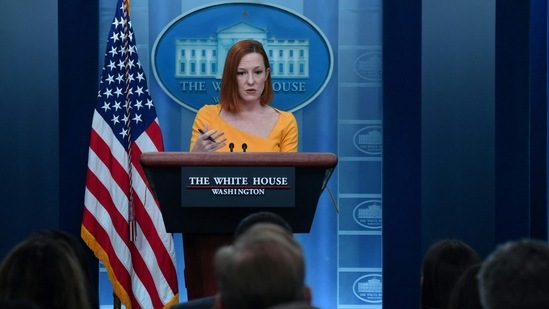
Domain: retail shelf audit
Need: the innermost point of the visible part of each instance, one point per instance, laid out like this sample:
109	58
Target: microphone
244	147
231	147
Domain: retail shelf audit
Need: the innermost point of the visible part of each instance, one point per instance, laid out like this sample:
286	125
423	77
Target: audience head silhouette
516	276
264	267
46	271
465	293
261	217
243	226
443	264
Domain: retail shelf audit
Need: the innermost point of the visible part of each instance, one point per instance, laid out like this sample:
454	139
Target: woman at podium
243	120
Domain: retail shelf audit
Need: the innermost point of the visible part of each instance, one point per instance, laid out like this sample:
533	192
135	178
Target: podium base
199	251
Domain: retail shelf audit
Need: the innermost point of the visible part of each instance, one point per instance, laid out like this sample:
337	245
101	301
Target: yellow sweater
283	137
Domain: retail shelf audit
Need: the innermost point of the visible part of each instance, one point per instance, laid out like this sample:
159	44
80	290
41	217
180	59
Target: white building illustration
370	138
371	286
205	58
371	212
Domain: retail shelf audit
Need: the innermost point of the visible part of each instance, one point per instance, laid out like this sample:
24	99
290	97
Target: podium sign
237	186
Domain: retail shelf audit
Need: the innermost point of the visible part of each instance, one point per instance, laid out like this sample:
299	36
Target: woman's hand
209	141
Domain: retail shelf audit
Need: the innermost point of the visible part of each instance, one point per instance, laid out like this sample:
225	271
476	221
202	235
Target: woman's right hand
209	141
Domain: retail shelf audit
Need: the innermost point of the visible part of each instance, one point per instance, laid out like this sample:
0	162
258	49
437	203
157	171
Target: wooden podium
205	195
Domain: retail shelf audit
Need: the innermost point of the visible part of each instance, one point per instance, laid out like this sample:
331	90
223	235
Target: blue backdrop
343	250
47	151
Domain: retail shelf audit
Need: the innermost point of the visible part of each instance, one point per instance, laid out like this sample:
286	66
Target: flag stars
106	106
149	103
108	92
123	21
116	23
113	51
130	63
131	50
111	65
110	79
123	36
118	92
115	37
137	118
127	105
115	119
124	132
124	80
120	64
125	118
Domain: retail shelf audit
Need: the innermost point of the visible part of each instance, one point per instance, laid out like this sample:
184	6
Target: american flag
122	223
